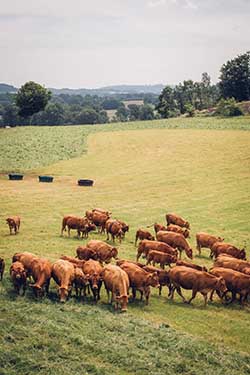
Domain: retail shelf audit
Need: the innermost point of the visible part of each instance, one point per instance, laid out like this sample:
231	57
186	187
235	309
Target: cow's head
187	225
91	227
1	262
243	254
37	290
95	280
125	228
219	239
123	301
114	252
189	253
186	233
63	294
221	285
153	280
17	271
151	238
10	221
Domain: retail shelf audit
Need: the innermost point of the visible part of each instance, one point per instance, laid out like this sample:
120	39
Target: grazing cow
233	263
18	276
74	222
158	227
86	253
99	219
26	259
191	265
236	282
116	281
89	214
63	272
93	269
141	280
226	248
143	234
177	229
175	219
2	267
114	228
163	277
104	251
81	281
146	245
161	258
206	240
175	240
197	281
41	272
14	223
76	262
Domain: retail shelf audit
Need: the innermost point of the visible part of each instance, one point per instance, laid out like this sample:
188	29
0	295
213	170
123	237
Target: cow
93	269
18	277
26	259
197	281
104	251
125	227
89	214
41	272
86	253
191	265
99	219
158	227
176	240
63	272
14	223
141	280
86	229
233	263
81	281
76	262
163	277
114	228
74	222
2	267
226	248
236	282
175	219
177	229
163	259
146	245
206	240
143	234
116	281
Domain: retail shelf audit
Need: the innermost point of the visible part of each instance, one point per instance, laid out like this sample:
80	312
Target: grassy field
198	168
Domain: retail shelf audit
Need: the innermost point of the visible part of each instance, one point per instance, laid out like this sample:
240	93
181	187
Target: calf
114	228
86	253
74	222
143	234
63	272
26	259
178	220
206	240
2	267
81	281
226	248
161	258
94	269
99	219
177	229
163	277
14	223
41	272
191	265
197	281
18	277
116	281
120	261
146	245
104	251
175	240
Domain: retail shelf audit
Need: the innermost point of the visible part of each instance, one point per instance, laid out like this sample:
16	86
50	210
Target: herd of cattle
229	277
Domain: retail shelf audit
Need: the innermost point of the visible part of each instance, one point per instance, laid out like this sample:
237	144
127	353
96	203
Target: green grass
141	171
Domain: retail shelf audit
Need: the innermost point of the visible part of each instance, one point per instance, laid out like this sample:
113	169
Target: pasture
199	168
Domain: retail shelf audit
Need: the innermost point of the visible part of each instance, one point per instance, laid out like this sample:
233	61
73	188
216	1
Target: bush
228	108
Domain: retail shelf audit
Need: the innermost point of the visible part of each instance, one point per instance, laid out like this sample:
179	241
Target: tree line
34	104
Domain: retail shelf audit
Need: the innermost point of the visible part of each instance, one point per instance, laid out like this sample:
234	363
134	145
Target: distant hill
4	88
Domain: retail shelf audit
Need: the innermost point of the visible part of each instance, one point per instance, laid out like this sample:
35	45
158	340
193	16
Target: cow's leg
162	265
180	251
178	289
47	287
198	247
160	289
205	298
211	295
147	294
136	239
133	293
77	292
194	292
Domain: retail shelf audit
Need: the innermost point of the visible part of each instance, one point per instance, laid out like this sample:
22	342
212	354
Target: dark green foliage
228	108
235	78
146	112
189	109
31	98
52	115
111	103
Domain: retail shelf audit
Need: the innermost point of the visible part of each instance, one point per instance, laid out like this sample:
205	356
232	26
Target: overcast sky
93	43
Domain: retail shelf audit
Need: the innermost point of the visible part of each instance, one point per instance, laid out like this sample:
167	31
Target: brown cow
177	229
158	227
175	240
87	228
163	277
81	281
18	276
233	263
226	248
76	262
93	269
146	245
161	258
104	251
143	234
99	219
116	281
141	280
86	253
2	267
206	240
14	223
63	272
191	265
41	273
26	259
197	281
89	214
236	282
74	222
114	228
178	220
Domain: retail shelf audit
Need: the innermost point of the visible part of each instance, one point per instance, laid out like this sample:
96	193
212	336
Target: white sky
82	43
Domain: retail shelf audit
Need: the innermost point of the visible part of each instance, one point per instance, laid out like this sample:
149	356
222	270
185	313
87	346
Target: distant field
129	102
141	171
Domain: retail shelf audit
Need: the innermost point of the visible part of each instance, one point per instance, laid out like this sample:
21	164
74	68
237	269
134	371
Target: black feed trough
85	182
46	179
14	176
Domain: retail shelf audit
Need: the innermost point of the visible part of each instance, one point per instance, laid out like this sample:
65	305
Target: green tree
52	115
134	112
122	113
228	108
10	116
31	98
87	116
235	78
167	104
146	112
